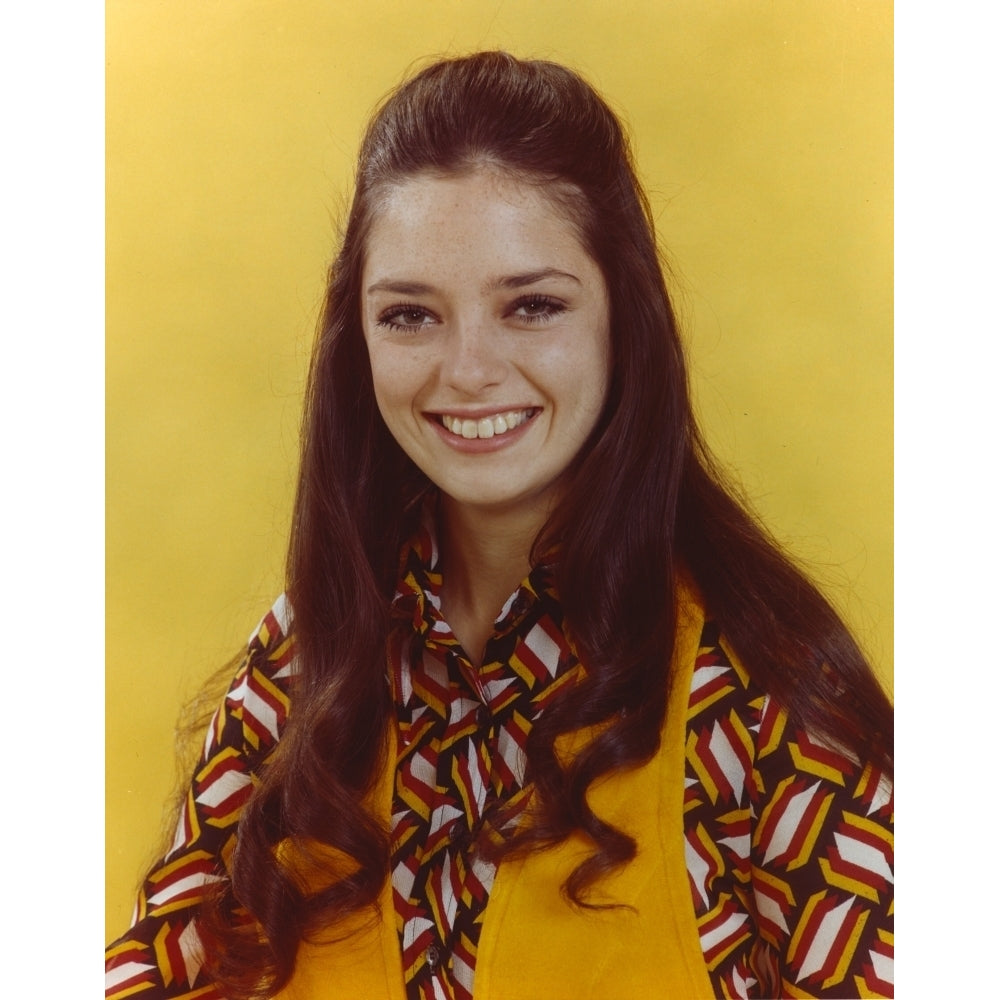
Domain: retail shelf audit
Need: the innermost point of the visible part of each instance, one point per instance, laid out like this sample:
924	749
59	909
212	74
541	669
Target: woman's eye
537	308
405	318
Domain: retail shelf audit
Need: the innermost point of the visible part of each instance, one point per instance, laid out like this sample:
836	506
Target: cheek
594	371
594	381
578	387
385	371
396	378
384	385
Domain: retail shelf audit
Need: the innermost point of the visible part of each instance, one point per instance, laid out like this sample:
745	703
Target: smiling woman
492	371
544	712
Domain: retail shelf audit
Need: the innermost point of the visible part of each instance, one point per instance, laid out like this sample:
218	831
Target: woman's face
487	327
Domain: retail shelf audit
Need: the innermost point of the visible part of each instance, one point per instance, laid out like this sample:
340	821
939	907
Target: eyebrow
509	281
531	277
401	287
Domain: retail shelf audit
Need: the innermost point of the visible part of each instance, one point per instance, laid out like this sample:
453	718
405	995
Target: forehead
482	213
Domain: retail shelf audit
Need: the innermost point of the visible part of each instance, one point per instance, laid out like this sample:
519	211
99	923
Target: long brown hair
647	506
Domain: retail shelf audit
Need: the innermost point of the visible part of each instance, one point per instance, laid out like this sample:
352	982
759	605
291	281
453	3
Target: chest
641	941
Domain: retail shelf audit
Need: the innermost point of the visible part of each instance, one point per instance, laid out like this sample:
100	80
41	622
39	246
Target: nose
473	359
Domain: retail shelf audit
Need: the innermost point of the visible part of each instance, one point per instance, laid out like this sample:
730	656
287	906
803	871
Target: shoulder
744	746
724	713
162	954
271	643
790	842
258	697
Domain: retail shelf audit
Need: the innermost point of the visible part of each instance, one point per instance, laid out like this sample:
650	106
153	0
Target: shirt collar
418	589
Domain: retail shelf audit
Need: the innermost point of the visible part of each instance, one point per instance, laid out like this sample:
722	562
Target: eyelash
387	318
553	307
550	308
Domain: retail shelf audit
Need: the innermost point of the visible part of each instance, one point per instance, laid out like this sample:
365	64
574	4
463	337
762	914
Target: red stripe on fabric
703	749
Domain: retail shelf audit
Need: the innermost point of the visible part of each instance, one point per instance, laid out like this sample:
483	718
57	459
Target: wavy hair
644	504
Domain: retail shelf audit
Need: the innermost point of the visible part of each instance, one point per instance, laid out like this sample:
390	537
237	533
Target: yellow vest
534	945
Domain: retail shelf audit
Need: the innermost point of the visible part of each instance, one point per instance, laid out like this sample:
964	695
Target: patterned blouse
789	843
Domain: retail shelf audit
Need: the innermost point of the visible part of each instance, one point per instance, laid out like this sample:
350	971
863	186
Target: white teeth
486	427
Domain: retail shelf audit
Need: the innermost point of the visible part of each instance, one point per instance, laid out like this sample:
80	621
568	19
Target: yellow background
763	134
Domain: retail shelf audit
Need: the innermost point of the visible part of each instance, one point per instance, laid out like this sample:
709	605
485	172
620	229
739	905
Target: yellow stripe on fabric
865	992
264	682
218	723
742	733
815	829
416	740
777	732
779	802
130	991
429	698
230	819
812	766
126	946
451	739
175	906
191	812
419	960
164	871
415	801
805	920
708	782
866	777
874	829
162	958
462	786
845	882
772	881
690	804
776	802
711	849
226	753
719	910
848	950
281	650
731	946
408	833
734	660
435	901
523	671
699	706
739	815
228	850
793	992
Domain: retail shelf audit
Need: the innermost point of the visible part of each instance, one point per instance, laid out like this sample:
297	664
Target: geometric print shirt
461	734
789	846
788	841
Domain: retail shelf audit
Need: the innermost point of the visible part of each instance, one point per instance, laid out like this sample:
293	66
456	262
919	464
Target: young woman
544	712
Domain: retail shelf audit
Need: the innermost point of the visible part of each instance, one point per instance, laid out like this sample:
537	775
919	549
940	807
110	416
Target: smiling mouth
486	427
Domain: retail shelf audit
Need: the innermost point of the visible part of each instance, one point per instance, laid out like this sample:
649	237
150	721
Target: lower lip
481	446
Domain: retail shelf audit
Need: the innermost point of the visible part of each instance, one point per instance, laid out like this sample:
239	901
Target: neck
484	556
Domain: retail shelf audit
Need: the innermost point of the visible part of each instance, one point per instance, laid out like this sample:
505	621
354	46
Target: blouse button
484	717
433	957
